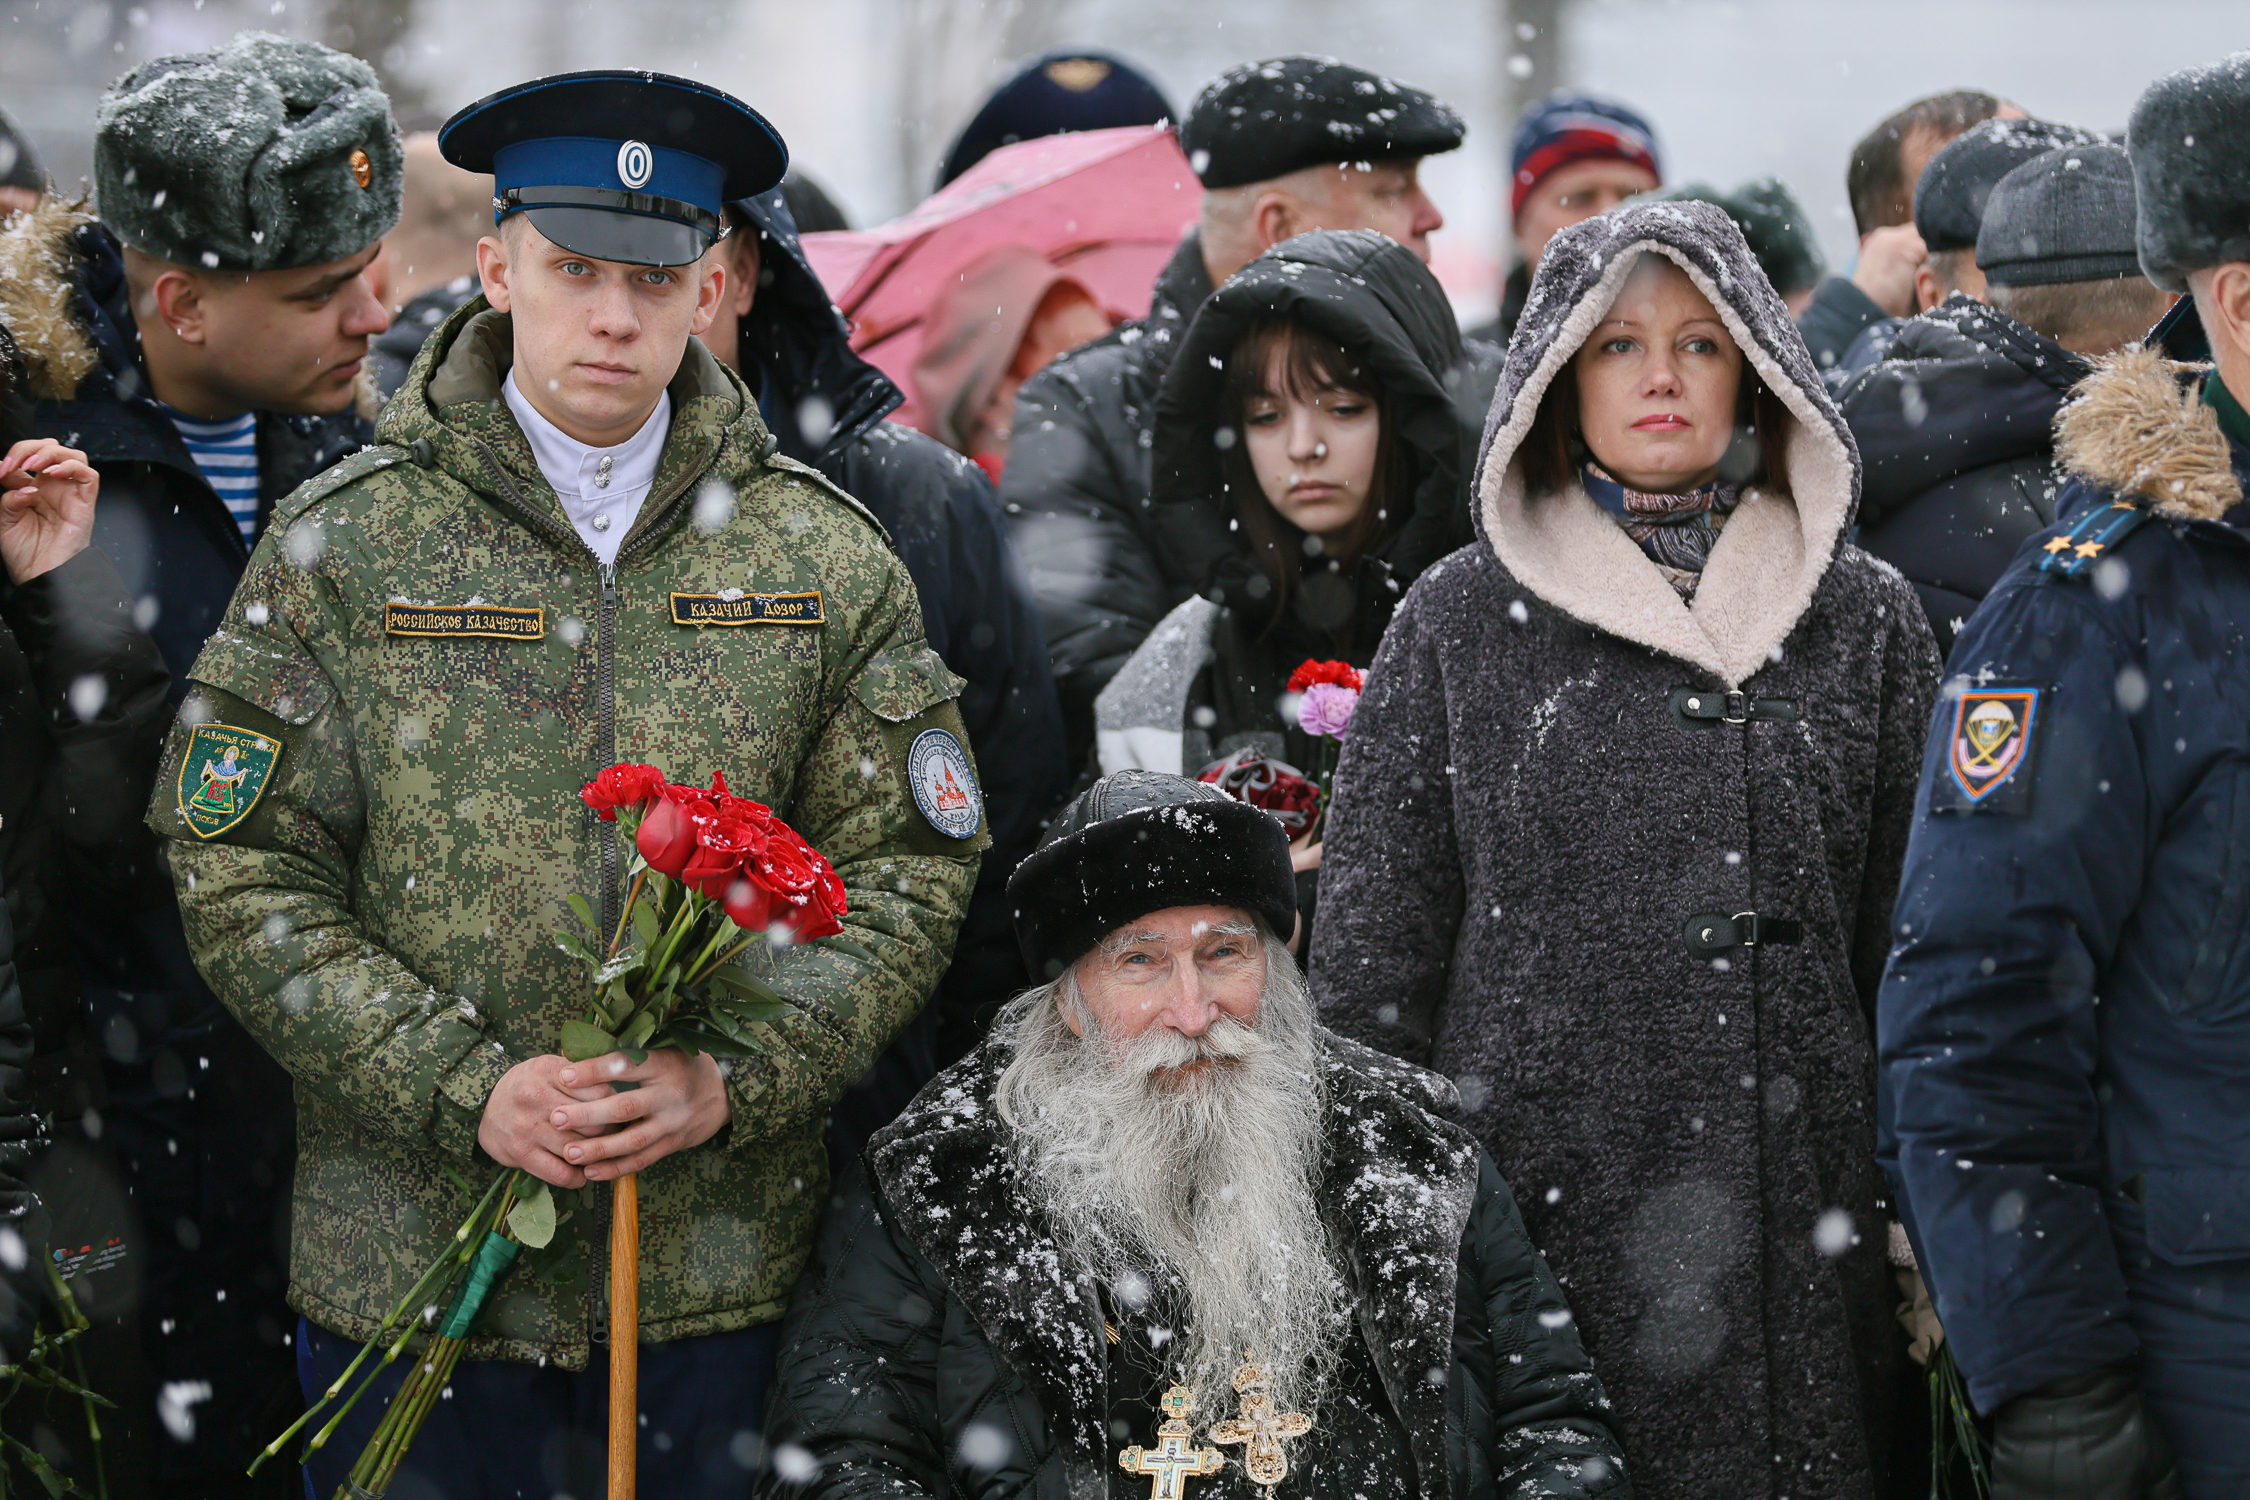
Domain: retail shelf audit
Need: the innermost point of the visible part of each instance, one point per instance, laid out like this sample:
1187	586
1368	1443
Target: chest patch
945	786
491	622
747	609
1989	751
223	773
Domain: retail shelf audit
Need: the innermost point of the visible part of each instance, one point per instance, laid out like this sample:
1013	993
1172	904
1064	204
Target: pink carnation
1326	709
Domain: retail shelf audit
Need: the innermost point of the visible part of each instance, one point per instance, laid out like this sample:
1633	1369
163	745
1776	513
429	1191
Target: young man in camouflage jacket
445	636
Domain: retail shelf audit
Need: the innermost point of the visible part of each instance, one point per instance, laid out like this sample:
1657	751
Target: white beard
1203	1182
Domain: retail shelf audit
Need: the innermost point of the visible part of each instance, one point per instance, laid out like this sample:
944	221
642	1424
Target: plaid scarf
1675	531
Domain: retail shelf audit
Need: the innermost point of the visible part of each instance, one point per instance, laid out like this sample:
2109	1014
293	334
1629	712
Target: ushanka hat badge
223	773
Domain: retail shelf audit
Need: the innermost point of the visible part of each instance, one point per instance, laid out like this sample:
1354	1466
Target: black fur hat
2190	143
1142	841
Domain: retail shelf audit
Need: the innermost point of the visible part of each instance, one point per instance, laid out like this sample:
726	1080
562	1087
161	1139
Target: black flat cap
1137	842
1950	197
2064	216
2190	143
1268	119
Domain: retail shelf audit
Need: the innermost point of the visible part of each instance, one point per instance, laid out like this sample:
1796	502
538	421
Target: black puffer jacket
19	1130
826	406
937	1300
1076	492
1381	304
1956	429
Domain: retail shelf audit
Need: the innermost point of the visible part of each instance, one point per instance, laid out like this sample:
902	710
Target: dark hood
1964	386
1379	302
795	341
1777	546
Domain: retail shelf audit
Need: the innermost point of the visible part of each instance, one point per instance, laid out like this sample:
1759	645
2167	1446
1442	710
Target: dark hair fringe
1312	365
1553	448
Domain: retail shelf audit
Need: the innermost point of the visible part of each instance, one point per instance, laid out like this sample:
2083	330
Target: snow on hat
1563	128
1949	198
2190	143
2063	216
1268	119
1061	92
265	155
1138	842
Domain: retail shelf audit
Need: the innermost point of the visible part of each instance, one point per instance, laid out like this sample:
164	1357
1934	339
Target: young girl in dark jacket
1312	449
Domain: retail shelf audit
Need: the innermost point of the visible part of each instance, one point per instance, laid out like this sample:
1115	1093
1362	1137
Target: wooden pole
624	1335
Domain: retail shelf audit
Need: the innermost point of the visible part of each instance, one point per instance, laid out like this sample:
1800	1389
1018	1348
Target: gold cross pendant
1260	1429
1172	1462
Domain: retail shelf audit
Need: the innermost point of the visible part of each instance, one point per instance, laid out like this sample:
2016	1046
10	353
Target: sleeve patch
223	773
1990	751
945	784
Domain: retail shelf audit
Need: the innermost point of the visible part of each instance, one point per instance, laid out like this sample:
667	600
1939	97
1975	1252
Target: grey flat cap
2064	216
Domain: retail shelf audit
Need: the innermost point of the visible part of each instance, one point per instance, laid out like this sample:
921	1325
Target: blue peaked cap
647	189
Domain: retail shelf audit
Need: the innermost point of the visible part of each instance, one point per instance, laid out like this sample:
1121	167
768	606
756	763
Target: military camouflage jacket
371	806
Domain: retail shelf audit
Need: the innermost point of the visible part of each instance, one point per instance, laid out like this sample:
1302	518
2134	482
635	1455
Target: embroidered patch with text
491	622
1989	751
732	608
223	773
944	783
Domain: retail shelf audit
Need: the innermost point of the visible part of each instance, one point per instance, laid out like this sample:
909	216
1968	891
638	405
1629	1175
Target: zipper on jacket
656	508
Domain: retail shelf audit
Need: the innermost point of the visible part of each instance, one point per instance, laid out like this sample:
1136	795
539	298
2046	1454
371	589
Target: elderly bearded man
1163	1234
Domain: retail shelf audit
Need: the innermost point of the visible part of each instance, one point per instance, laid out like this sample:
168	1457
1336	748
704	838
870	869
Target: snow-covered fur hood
1400	1180
1563	547
2136	427
36	289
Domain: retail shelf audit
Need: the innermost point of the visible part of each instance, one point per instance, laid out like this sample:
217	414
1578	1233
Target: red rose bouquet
1277	787
713	873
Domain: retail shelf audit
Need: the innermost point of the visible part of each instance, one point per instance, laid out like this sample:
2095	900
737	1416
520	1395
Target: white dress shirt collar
601	489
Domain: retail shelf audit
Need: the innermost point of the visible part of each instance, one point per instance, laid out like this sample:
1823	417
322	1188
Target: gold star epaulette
2091	538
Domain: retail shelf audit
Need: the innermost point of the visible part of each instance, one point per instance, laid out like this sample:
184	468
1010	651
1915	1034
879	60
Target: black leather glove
2086	1438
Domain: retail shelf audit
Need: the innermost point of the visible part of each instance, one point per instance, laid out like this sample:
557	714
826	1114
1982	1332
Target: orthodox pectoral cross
1260	1429
1172	1462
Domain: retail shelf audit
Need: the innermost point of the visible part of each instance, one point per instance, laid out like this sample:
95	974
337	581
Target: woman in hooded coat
1351	323
1614	844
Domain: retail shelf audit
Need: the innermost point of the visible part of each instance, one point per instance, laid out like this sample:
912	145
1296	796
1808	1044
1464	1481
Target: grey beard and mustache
1203	1183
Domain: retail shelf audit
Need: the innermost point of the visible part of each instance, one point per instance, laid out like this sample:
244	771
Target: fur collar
1400	1182
2136	427
35	296
1776	548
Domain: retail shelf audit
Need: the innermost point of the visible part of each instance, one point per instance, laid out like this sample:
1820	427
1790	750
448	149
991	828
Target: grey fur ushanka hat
2190	143
265	155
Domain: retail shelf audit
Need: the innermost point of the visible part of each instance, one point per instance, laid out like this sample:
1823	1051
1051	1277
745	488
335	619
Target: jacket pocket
2197	1215
2186	943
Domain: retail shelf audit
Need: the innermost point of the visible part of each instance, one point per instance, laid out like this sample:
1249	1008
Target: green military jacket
441	664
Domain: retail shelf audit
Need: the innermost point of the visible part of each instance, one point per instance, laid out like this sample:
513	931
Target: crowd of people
1596	905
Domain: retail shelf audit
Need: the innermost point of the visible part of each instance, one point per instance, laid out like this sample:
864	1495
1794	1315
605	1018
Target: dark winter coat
75	770
202	1118
1379	302
977	607
1563	796
938	1299
2066	1017
392	351
1513	292
1837	315
1076	490
1956	430
21	1284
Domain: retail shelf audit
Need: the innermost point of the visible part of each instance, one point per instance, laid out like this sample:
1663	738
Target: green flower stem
625	916
721	961
691	911
444	1265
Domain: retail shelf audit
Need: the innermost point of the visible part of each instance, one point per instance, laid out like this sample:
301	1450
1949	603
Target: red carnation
1336	673
622	785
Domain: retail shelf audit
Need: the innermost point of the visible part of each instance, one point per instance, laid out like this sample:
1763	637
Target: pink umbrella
1105	207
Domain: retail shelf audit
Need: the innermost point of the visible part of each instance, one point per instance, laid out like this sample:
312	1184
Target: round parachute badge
945	785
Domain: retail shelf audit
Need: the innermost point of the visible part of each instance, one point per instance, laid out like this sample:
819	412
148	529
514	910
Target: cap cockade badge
363	170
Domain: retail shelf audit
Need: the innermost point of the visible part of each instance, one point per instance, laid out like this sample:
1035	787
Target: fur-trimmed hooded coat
1562	793
2066	1018
940	1342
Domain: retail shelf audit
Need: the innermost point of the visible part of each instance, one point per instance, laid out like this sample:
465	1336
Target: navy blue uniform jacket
2064	1025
